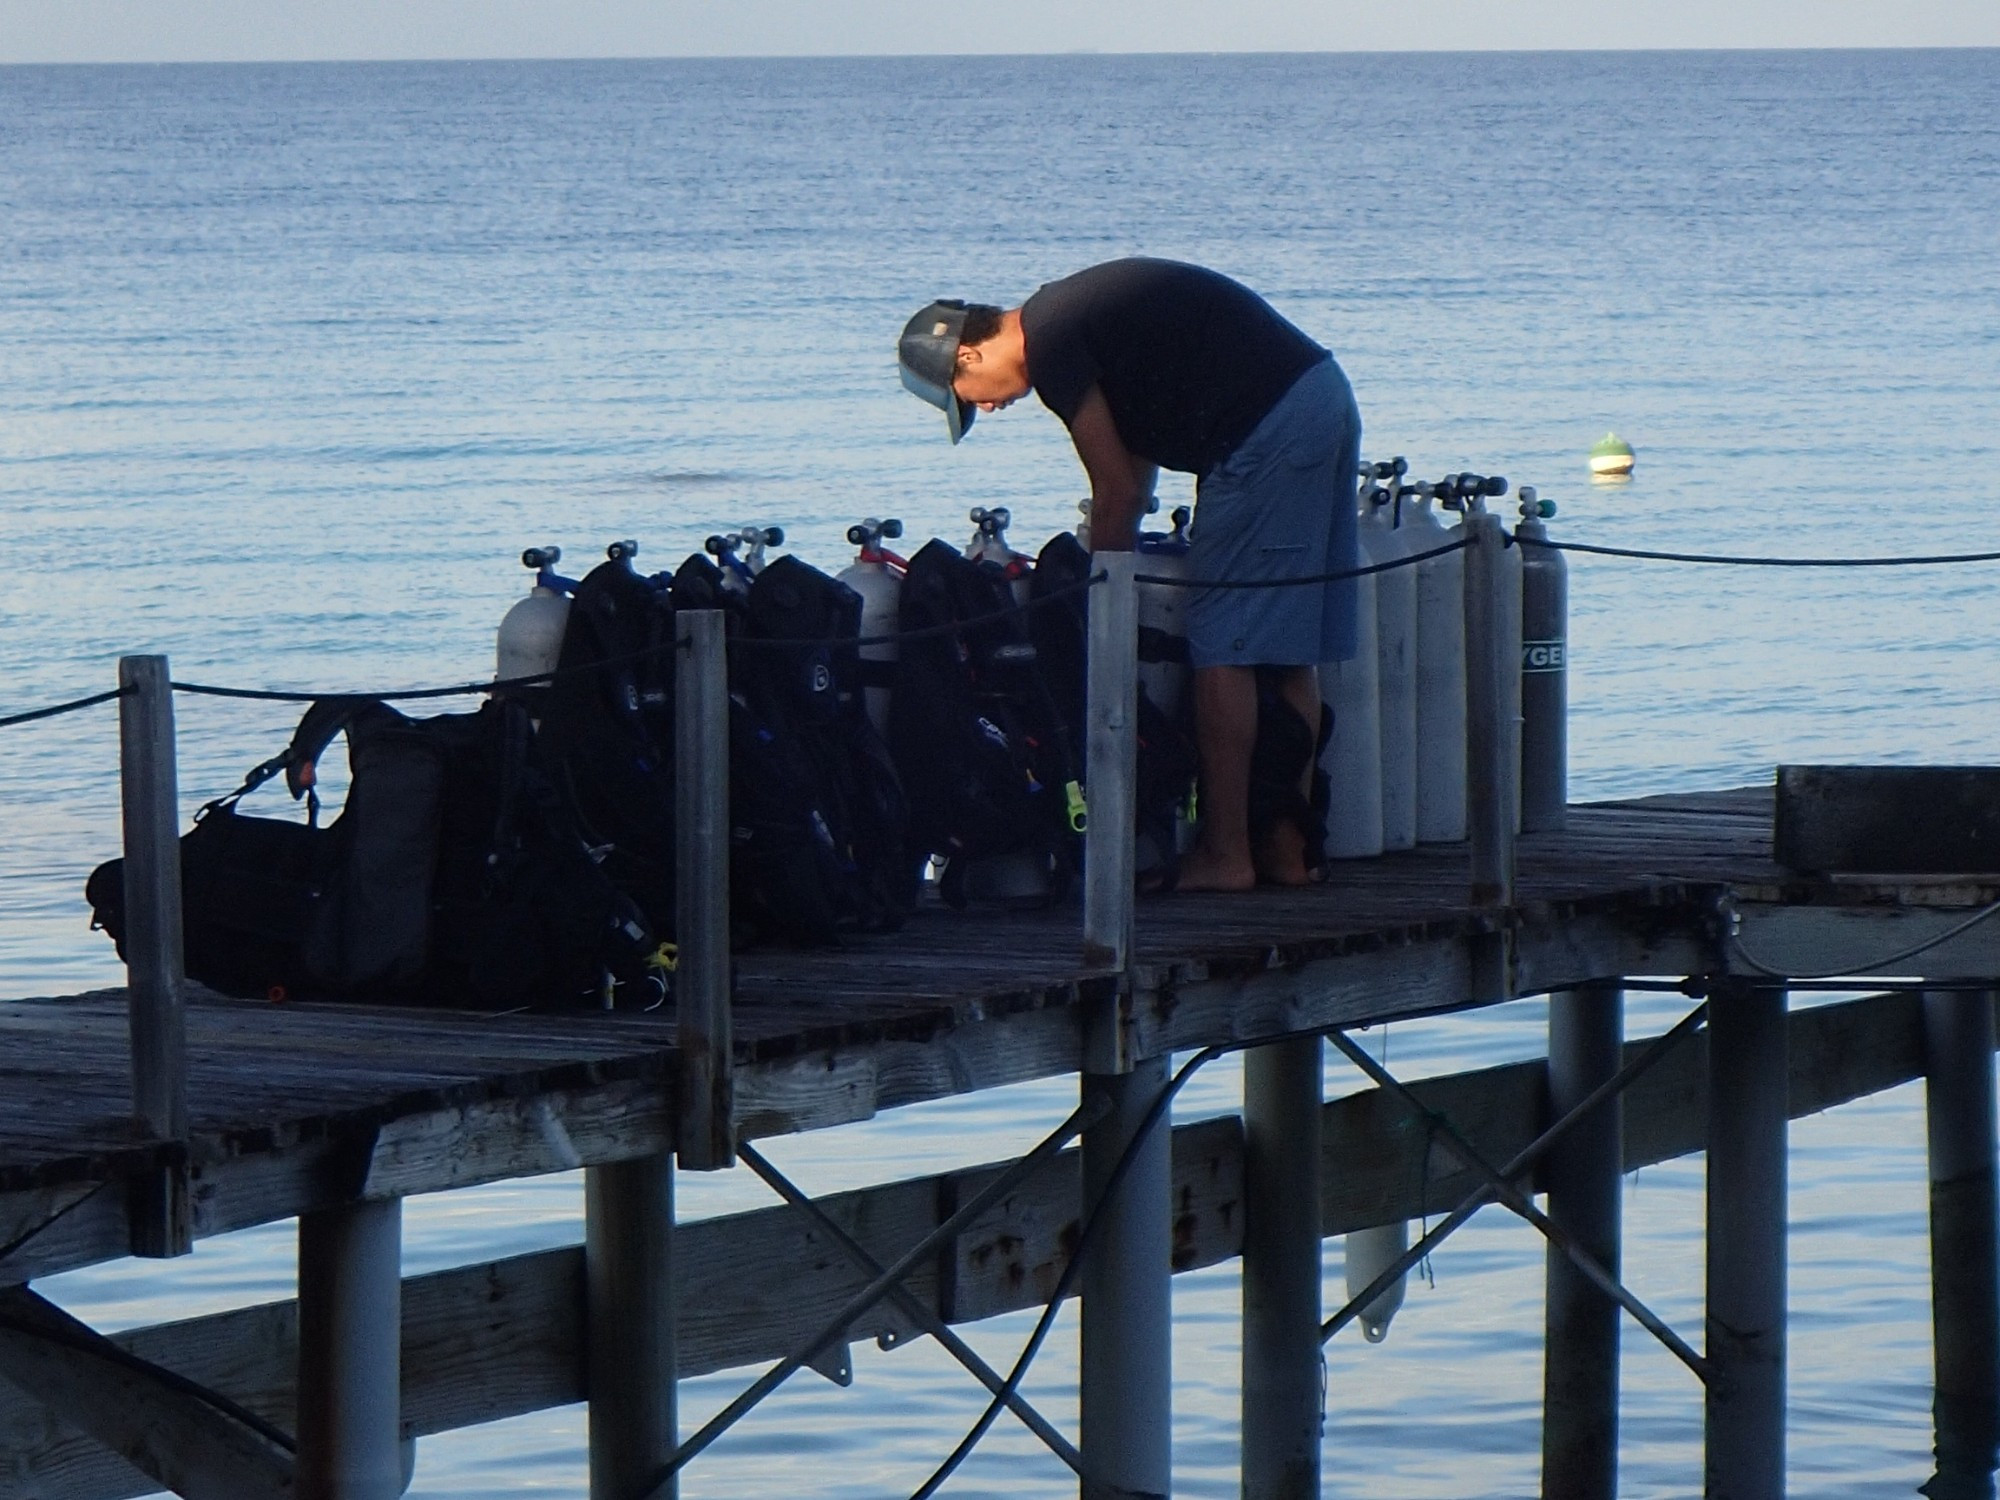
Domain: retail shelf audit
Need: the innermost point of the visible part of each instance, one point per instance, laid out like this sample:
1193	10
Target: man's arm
1120	481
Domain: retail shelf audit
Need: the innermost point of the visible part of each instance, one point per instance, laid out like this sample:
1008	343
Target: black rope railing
953	627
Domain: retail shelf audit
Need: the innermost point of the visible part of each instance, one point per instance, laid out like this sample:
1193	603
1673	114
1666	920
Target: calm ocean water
294	360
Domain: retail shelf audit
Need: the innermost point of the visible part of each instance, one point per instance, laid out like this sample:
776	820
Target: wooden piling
1745	1408
154	966
705	1138
350	1353
1489	786
1126	1405
630	1345
1282	1406
1965	1270
1583	1177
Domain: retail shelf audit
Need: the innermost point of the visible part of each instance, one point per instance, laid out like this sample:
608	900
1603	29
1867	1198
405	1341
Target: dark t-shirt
1188	360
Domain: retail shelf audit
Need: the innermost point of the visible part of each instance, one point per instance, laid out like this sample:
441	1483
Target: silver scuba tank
1440	670
1163	612
1477	490
989	544
876	574
1352	759
1396	651
1544	671
740	554
530	638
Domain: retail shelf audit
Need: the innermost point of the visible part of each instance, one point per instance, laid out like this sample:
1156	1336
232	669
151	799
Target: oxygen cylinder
989	544
1440	672
1370	1252
1510	646
1396	654
1163	612
1544	671
740	554
1083	523
530	639
877	576
1352	759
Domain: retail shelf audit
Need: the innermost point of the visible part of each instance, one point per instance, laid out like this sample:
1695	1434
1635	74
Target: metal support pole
1965	1270
629	1281
1127	1355
154	966
1583	1176
706	1137
1748	1069
350	1353
1489	783
1111	763
1283	1410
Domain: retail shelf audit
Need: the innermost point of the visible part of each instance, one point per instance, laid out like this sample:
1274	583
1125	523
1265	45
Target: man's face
988	379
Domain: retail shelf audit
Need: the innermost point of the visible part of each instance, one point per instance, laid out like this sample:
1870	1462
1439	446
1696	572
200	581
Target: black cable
71	707
1642	555
1285	583
1067	1280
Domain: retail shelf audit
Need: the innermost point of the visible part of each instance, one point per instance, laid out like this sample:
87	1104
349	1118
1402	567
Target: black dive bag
986	756
451	876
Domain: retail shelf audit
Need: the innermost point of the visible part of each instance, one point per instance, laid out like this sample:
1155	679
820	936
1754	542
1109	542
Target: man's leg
1283	857
1225	730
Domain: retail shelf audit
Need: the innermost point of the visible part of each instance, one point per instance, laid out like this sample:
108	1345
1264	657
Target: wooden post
629	1278
1111	762
706	1137
1126	1406
350	1353
1489	785
1748	1069
1282	1406
1583	1175
154	966
1965	1270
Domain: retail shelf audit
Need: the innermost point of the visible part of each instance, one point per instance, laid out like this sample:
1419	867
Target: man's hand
1120	481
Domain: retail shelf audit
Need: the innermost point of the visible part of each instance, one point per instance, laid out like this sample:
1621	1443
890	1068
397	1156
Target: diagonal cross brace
1524	1159
1085	1115
925	1317
1510	1196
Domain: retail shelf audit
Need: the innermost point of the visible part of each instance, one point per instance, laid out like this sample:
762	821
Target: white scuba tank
989	544
1163	610
877	576
1352	759
740	554
1396	652
1370	1252
1440	673
530	638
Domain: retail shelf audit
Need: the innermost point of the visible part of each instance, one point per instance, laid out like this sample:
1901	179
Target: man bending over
1153	364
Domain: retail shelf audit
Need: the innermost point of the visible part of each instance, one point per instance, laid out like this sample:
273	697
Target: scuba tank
1163	664
877	576
1544	671
740	554
1352	759
530	638
989	544
1370	1252
1440	670
1083	526
1396	652
1475	490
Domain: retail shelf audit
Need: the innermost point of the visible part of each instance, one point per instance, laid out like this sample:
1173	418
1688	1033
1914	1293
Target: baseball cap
927	355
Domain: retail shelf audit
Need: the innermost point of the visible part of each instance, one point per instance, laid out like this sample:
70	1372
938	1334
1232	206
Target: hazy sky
217	30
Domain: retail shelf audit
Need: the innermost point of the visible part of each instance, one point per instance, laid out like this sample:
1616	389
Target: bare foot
1201	871
1282	860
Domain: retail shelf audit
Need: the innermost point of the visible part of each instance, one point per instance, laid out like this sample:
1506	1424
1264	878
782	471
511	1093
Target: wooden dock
137	1121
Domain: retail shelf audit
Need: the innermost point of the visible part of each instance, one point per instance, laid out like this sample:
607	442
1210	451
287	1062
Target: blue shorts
1280	506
